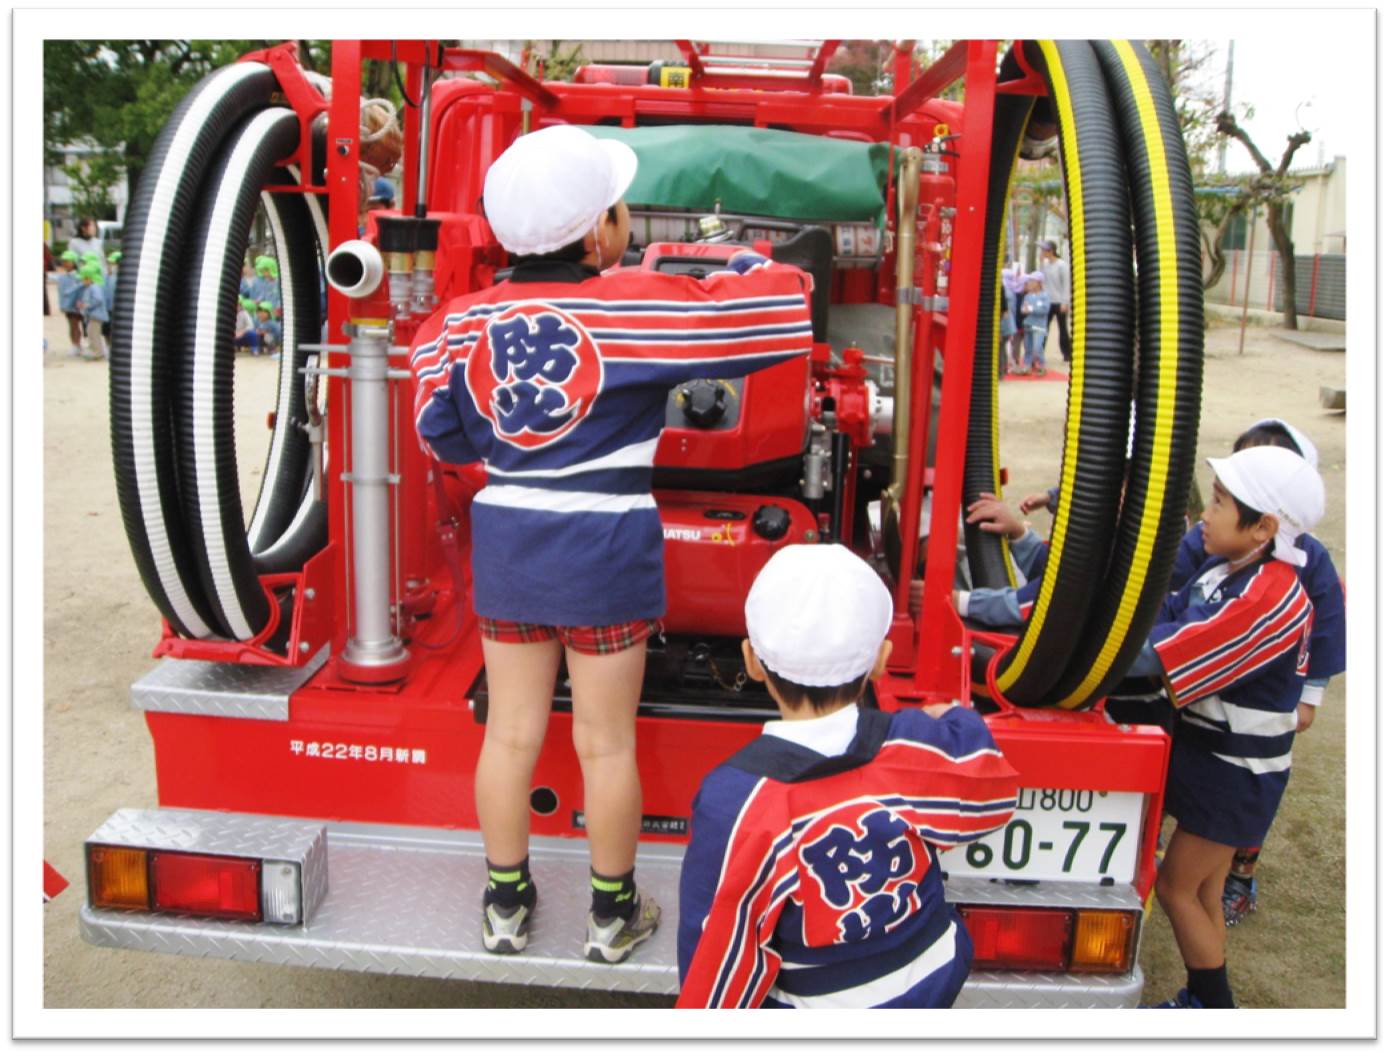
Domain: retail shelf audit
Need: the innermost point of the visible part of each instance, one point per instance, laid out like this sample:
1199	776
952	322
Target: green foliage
866	63
119	93
91	179
555	64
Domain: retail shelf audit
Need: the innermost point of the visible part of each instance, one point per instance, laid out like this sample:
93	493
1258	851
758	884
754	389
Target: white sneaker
505	931
613	940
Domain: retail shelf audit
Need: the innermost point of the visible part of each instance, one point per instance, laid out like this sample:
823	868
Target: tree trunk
1215	251
1285	254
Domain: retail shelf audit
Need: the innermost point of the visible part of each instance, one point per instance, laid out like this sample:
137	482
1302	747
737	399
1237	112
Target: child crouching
811	878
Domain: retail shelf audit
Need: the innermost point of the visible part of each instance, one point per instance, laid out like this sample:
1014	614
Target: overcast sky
1276	75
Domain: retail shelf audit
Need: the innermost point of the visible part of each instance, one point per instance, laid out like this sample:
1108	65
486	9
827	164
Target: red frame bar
933	660
492	64
947	69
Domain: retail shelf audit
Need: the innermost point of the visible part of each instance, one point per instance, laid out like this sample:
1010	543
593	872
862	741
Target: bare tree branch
1226	125
1294	143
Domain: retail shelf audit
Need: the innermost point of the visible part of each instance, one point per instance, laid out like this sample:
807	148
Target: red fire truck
319	699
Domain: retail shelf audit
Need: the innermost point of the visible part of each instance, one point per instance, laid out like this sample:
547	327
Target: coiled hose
146	333
1101	371
171	359
1170	374
989	562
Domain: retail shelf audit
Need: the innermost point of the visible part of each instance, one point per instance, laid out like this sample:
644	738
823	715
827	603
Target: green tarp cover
755	171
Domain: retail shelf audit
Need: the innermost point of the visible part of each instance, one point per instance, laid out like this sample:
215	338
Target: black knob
771	522
705	402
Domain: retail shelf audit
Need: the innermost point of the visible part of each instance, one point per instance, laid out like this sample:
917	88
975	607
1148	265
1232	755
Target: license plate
1064	835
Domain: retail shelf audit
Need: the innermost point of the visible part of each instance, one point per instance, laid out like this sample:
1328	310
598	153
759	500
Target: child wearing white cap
1321	581
811	878
1232	647
557	380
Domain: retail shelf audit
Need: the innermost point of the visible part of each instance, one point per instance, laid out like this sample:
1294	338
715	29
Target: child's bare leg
606	690
1191	863
520	686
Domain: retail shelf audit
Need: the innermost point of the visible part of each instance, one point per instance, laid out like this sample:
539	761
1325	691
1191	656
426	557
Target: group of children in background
1023	326
87	296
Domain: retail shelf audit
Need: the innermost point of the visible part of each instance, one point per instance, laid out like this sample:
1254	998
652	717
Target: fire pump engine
320	698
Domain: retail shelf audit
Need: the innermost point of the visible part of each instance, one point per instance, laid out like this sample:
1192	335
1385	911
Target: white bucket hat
817	615
551	187
1272	479
1303	442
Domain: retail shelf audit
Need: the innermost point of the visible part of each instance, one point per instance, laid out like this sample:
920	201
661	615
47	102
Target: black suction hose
1170	374
1101	371
288	468
146	332
204	414
989	561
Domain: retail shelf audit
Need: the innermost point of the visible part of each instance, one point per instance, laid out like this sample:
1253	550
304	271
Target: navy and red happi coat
557	380
1234	650
813	881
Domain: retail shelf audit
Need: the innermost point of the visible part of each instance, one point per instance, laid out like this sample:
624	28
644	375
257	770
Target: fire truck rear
320	698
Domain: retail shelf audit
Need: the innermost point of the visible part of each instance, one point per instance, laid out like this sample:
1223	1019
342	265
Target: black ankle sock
1211	987
614	896
508	887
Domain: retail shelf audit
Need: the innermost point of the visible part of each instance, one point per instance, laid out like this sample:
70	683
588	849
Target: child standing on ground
1007	328
1036	313
812	877
1231	647
91	302
557	380
69	289
1321	581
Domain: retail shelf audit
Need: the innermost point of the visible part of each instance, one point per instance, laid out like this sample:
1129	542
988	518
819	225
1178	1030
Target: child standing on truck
1321	581
812	877
557	380
1036	308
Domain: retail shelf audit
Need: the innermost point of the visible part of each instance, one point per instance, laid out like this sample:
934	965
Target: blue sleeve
995	607
1189	556
1322	584
1030	553
716	808
1003	607
441	428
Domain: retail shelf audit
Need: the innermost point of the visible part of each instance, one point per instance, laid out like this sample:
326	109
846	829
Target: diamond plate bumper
227	834
222	689
407	901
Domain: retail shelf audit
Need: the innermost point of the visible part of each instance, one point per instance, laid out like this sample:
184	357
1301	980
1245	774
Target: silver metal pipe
908	199
373	642
425	108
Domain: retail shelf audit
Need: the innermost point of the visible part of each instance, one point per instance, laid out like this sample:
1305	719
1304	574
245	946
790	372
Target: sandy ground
100	627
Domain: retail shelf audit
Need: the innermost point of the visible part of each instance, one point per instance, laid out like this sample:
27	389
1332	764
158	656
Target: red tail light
225	887
1019	939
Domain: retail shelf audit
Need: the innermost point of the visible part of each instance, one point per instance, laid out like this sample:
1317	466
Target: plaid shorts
589	640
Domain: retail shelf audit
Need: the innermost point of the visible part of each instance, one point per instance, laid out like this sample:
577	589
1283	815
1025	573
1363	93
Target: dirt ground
100	627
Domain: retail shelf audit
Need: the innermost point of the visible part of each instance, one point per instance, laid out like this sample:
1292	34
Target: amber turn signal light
118	878
1103	941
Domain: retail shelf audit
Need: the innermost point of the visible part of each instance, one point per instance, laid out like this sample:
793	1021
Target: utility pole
1228	97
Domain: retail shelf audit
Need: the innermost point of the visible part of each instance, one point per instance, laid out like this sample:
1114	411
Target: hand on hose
990	513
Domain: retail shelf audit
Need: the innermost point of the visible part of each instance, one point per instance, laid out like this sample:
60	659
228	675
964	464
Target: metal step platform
406	901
